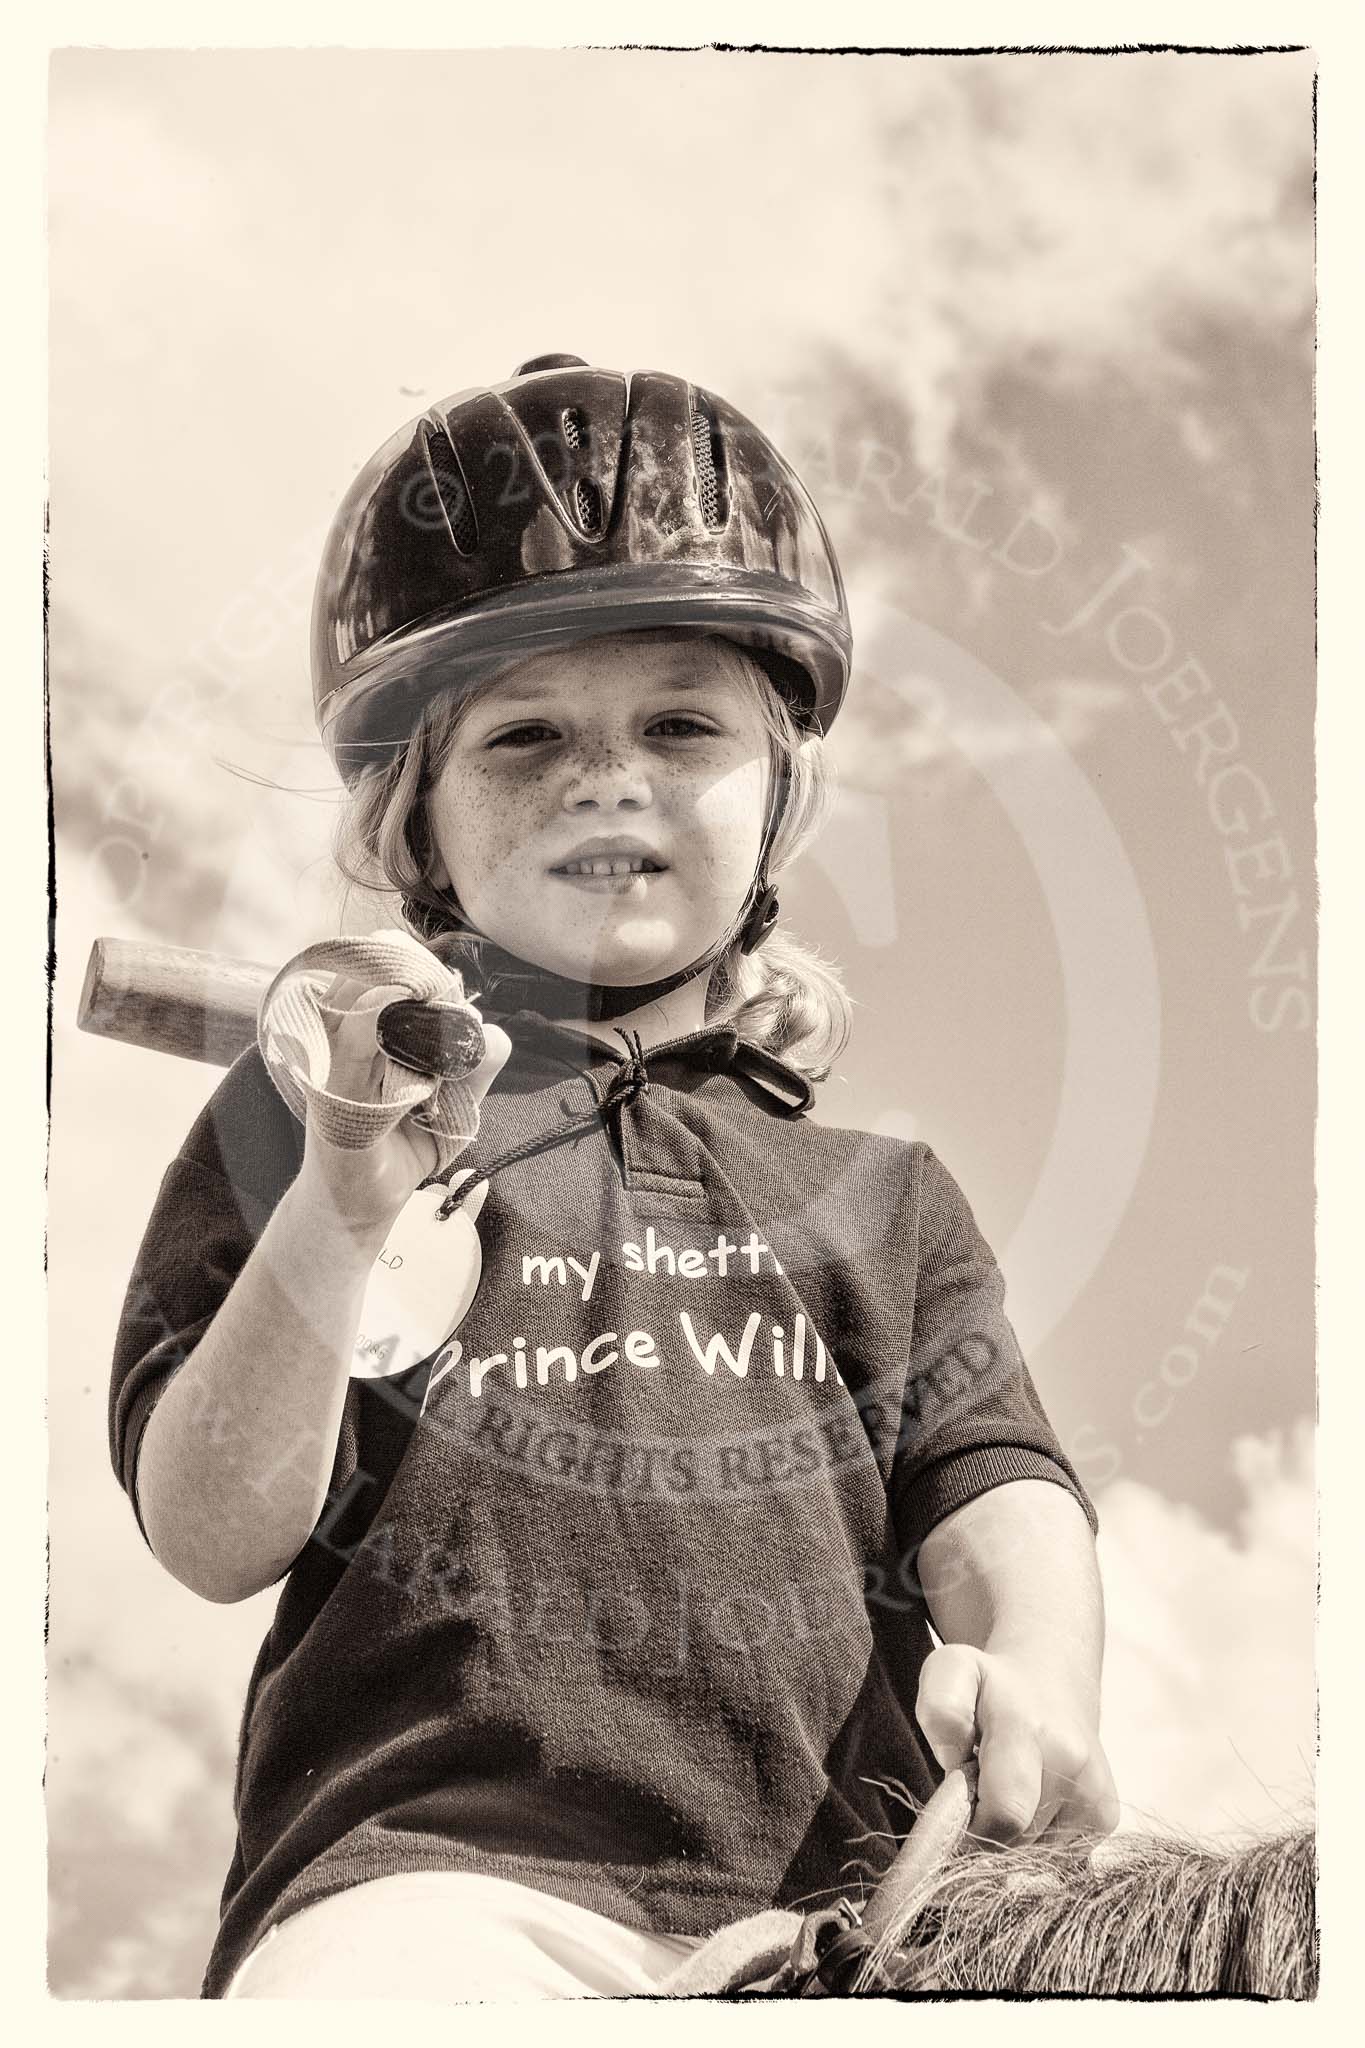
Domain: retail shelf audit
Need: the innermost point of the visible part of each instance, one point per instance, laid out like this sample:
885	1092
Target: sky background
1022	324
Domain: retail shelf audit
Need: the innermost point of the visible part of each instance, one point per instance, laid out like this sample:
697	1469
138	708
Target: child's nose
613	778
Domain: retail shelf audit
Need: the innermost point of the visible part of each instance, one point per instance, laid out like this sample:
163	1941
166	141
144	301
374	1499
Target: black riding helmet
564	505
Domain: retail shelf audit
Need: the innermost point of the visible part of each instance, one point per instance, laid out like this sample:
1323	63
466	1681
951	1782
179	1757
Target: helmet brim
805	651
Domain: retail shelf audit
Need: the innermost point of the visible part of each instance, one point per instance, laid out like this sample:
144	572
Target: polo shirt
614	1594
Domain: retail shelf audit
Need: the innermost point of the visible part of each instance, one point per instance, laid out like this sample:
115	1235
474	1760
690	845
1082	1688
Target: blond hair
784	997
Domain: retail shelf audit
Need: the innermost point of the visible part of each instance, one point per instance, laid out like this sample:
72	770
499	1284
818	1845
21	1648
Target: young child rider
607	1622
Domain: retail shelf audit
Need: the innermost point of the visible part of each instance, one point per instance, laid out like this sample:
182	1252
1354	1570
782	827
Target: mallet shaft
199	1006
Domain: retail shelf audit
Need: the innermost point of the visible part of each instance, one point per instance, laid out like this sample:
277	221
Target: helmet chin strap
518	984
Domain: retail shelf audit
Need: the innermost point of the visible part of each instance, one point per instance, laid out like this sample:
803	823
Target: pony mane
1131	1915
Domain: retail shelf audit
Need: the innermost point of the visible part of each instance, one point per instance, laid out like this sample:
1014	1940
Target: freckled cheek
730	815
489	838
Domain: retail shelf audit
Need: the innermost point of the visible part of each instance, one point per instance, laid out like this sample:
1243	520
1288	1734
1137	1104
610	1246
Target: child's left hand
1042	1770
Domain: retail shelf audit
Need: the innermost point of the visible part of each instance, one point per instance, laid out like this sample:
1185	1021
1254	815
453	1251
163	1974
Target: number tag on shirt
421	1285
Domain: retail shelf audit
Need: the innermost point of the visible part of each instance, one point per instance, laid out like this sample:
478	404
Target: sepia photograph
681	1169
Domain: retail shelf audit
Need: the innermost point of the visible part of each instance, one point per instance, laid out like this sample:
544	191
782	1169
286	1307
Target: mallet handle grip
199	1006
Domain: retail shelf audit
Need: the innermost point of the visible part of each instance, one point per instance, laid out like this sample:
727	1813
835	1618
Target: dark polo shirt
615	1595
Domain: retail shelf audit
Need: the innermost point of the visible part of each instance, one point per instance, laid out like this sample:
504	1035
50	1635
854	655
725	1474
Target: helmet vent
710	465
453	492
575	427
587	504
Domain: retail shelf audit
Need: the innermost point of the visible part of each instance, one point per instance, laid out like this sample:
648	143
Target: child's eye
528	735
681	725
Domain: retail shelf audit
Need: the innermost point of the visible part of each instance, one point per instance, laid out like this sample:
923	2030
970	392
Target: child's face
648	754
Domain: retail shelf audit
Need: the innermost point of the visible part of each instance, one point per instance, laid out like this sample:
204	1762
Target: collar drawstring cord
632	1078
630	1081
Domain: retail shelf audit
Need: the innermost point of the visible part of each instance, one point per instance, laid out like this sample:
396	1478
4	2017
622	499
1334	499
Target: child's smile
610	864
602	809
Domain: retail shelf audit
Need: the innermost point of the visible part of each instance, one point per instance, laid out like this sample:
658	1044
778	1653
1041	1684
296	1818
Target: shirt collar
716	1048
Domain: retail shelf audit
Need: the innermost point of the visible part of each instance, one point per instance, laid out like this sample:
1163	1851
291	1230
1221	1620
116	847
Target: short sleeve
971	1418
214	1201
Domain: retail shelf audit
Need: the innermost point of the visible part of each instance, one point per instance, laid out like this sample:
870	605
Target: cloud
145	1692
1208	1716
1070	213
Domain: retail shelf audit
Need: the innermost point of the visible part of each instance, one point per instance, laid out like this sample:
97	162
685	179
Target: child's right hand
365	1189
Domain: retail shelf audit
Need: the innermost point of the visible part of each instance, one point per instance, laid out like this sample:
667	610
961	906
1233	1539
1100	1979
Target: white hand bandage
298	1054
